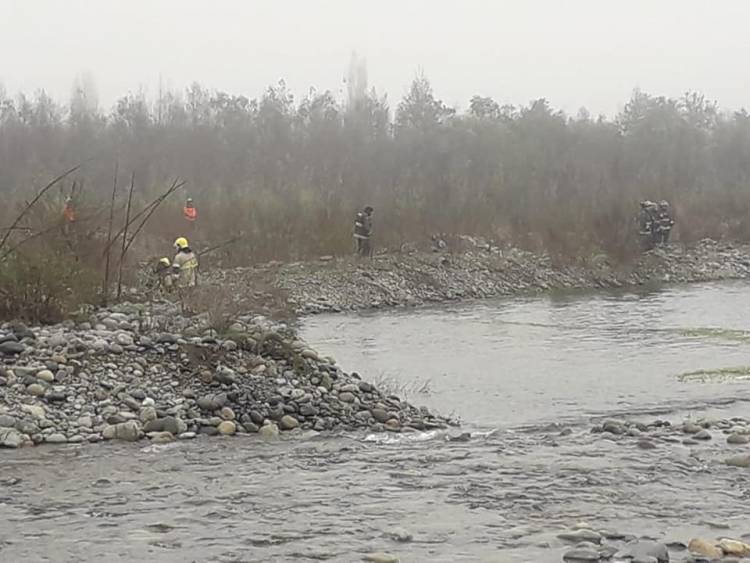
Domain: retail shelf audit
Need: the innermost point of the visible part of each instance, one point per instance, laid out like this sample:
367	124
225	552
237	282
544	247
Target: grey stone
124	339
46	375
269	431
583	534
347	397
227	428
174	425
702	435
644	549
11	348
7	421
581	554
187	436
34	410
738	461
147	414
11	438
288	422
380	415
156	425
127	431
160	437
85	422
308	410
35	389
613	427
738	439
56	438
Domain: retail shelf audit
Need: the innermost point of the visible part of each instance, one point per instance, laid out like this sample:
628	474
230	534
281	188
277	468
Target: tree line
288	175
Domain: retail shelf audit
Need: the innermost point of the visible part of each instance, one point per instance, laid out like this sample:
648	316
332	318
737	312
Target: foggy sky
575	53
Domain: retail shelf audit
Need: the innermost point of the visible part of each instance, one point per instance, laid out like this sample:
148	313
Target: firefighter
664	222
190	212
647	224
363	232
184	265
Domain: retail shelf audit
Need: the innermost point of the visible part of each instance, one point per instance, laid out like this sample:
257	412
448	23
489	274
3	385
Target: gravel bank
136	371
410	279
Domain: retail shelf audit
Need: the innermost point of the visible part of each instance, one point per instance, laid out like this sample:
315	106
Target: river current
527	377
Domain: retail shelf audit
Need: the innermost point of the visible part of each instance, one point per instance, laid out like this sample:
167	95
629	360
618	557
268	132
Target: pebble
380	558
35	389
734	548
645	549
160	437
584	534
11	438
703	435
36	411
46	375
147	414
7	421
227	428
704	547
738	461
269	431
56	438
347	397
581	554
174	425
288	422
738	439
127	431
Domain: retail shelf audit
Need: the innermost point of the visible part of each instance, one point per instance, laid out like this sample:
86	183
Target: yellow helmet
165	261
181	243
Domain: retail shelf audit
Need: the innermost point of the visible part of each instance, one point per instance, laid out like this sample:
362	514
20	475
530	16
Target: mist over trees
289	174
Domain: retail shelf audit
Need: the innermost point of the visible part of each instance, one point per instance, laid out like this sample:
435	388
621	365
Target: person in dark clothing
664	222
363	232
647	223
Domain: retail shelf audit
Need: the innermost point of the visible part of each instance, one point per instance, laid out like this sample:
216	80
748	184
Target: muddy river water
527	377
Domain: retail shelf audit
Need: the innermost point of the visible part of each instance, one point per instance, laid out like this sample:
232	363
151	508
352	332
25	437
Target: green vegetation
717	375
717	333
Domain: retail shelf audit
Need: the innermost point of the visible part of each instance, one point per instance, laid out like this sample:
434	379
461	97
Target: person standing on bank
363	232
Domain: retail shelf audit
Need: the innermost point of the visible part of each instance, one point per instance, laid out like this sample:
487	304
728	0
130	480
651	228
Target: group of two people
655	222
180	273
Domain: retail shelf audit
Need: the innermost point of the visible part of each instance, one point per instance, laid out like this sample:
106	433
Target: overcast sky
575	53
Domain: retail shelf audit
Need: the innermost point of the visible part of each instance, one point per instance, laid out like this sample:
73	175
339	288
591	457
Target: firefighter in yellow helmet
185	264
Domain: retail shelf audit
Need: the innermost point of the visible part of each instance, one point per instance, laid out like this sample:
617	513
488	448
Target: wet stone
583	534
288	422
581	554
738	439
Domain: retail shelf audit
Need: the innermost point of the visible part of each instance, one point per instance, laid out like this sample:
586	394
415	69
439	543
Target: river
516	371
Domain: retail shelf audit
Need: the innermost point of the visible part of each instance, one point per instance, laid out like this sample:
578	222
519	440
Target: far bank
407	279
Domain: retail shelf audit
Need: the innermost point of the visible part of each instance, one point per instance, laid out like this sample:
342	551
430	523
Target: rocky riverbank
146	371
475	271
